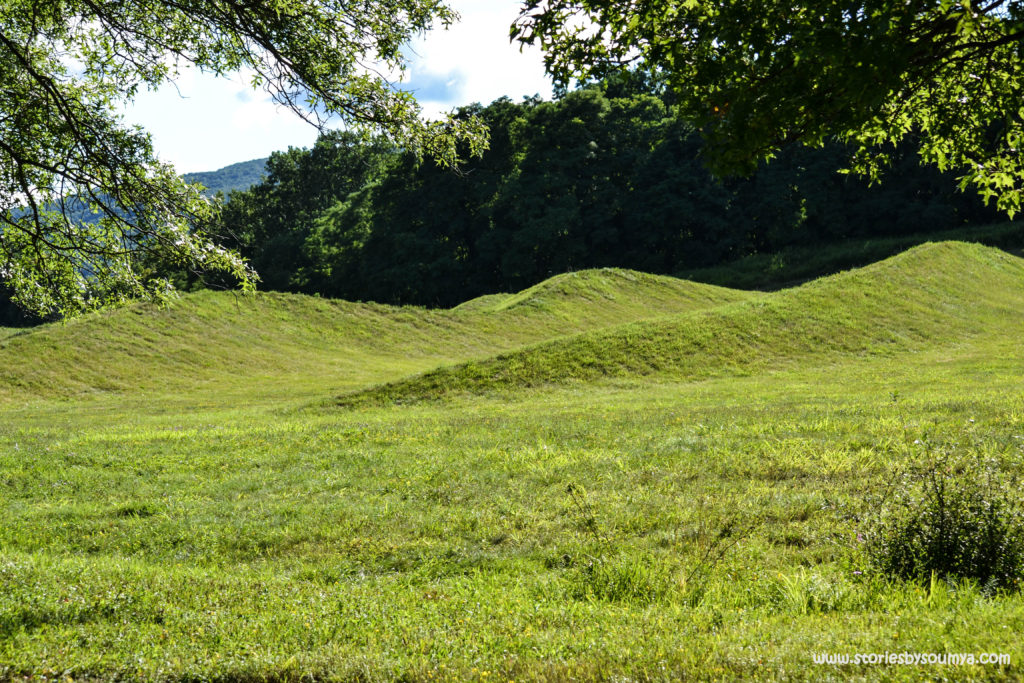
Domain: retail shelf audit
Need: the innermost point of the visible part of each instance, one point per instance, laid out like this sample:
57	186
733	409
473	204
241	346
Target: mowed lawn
541	507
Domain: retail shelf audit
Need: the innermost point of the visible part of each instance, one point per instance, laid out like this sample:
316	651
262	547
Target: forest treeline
605	175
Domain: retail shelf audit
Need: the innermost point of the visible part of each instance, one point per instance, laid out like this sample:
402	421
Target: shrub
955	519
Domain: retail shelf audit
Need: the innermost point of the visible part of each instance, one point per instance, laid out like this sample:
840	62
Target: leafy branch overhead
757	76
66	66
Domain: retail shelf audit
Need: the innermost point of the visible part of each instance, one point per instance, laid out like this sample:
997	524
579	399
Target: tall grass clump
957	517
608	575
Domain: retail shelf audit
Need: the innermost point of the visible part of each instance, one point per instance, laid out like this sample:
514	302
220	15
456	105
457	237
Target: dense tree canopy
756	76
606	175
66	64
270	223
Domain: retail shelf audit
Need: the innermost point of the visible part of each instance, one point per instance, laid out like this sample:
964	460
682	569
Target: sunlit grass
620	527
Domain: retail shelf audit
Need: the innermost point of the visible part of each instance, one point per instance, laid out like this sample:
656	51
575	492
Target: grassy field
610	476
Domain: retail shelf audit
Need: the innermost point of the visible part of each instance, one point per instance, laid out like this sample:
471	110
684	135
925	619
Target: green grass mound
605	289
482	304
202	339
931	295
285	344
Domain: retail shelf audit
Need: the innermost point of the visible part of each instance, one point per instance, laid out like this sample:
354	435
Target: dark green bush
954	521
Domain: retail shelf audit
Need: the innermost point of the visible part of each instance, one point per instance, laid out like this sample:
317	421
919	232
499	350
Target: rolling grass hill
795	265
573	327
289	344
171	511
614	292
935	294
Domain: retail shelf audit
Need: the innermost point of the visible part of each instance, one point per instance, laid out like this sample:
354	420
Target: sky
202	123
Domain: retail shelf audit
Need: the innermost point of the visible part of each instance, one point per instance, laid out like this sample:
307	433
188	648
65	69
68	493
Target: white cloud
255	115
205	122
477	53
202	122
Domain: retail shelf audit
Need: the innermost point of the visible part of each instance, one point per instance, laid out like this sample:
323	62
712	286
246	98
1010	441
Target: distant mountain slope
240	176
929	295
294	344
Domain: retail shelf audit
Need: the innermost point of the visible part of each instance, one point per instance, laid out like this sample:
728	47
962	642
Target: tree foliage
606	175
270	223
757	76
65	65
